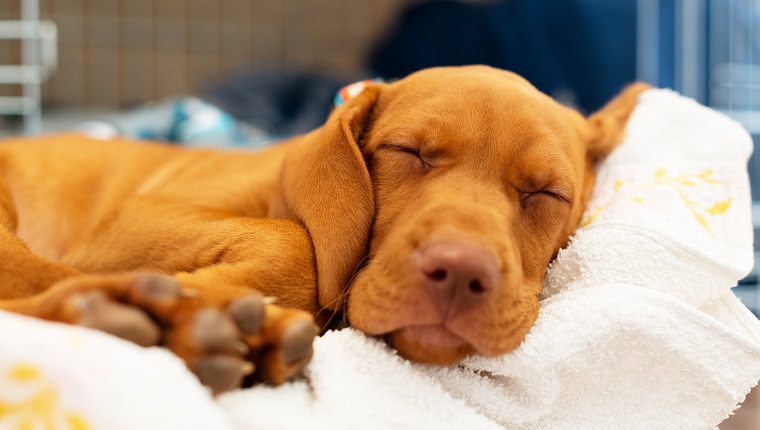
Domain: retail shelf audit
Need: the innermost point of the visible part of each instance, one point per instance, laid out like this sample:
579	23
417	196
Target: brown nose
458	274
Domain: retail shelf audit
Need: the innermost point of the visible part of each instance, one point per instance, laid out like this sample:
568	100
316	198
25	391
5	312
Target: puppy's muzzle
458	275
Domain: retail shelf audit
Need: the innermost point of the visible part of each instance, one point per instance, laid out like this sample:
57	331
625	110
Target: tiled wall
121	52
10	50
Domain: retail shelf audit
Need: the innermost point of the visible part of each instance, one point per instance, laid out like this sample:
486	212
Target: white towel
62	377
638	327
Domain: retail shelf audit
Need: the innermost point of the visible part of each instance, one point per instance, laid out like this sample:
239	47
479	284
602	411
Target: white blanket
638	327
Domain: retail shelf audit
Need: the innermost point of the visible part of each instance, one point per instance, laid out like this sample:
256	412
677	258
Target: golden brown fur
470	169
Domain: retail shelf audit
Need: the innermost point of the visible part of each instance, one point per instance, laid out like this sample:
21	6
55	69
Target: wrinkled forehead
473	106
459	90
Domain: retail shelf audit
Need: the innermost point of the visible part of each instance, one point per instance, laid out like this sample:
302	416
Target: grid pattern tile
122	52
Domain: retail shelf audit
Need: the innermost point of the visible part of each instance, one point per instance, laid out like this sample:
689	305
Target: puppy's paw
95	309
122	305
224	341
249	339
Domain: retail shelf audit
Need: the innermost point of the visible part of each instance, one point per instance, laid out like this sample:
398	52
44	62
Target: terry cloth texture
638	326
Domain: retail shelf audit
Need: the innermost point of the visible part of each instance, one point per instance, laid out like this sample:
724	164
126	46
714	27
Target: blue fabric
587	47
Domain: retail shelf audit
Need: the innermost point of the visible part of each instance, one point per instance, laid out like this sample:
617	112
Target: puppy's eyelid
399	147
408	150
560	194
524	196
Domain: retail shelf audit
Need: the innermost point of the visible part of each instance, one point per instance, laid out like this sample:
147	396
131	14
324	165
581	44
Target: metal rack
705	49
38	61
709	50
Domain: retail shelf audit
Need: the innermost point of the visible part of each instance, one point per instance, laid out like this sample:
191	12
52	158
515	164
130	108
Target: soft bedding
638	326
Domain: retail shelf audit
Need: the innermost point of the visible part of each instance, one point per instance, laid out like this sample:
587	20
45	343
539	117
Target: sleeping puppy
426	211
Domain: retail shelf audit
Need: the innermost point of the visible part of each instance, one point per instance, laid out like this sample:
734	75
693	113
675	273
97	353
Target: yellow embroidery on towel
591	214
76	422
40	410
24	373
719	208
680	184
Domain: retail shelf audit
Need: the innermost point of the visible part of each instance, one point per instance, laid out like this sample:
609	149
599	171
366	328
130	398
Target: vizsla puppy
427	210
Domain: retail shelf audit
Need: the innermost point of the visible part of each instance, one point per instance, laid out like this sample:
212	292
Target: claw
96	310
247	368
214	330
188	293
222	372
157	287
248	312
297	340
241	348
157	293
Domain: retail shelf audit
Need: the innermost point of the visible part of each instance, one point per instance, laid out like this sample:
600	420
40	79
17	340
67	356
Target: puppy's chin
432	344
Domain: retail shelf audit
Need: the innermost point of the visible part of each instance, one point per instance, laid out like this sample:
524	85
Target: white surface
638	327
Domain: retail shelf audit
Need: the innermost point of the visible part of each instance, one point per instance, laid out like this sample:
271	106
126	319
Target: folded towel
638	327
675	194
62	377
590	362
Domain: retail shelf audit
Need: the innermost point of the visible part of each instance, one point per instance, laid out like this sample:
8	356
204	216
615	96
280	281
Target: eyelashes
409	158
410	153
528	199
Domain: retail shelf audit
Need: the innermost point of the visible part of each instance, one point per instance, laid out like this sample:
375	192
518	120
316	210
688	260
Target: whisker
527	302
342	299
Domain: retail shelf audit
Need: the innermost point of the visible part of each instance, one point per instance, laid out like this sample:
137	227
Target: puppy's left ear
326	185
607	126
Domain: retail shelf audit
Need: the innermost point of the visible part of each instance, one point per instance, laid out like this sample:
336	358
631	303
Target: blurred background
235	73
246	72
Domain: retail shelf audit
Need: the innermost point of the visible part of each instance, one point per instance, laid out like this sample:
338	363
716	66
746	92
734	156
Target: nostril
438	275
476	287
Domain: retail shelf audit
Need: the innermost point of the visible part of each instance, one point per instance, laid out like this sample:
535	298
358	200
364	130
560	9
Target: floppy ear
326	185
607	125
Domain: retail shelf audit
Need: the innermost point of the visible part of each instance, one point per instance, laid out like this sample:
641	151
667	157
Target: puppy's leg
33	286
223	336
280	341
212	312
21	272
272	256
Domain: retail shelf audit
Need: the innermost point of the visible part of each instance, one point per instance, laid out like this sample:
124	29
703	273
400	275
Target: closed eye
407	152
528	198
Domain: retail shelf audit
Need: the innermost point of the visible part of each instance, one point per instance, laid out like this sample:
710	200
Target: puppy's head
459	185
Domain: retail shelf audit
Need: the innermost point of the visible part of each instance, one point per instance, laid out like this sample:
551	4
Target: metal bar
48	49
647	41
17	105
690	27
731	43
751	49
17	30
19	75
716	48
749	119
30	14
47	37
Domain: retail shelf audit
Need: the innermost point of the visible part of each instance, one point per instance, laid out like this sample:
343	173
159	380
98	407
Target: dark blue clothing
584	46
